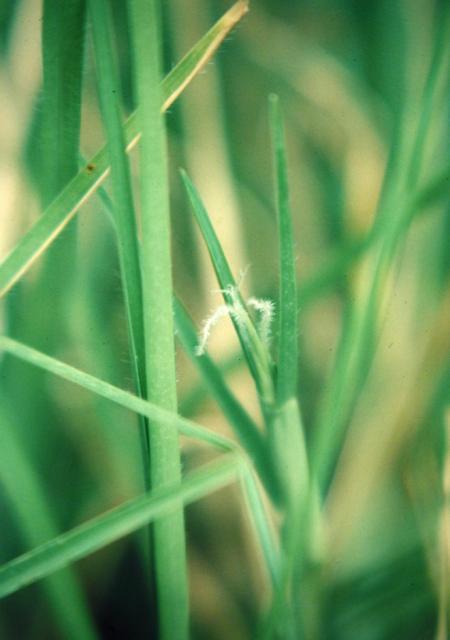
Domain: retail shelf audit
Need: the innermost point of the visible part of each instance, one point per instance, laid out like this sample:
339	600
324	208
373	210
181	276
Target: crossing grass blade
89	178
114	525
119	396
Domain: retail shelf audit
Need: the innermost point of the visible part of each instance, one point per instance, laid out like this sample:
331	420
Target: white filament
208	324
266	308
236	310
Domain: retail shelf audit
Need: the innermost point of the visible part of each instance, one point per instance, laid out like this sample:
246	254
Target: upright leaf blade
156	262
63	27
287	374
123	207
286	434
255	353
41	313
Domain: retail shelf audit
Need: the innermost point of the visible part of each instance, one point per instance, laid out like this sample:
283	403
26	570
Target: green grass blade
287	436
219	261
22	486
261	525
123	207
255	353
62	53
114	525
242	424
84	184
156	262
110	392
287	374
56	161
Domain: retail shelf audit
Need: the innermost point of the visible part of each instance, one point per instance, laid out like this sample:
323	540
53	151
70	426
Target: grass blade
287	431
56	162
62	53
219	261
123	207
261	525
85	183
287	374
255	352
117	523
110	392
156	262
287	434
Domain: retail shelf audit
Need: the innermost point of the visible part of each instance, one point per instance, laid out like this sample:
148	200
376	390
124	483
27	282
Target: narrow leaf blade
219	262
287	333
99	532
110	392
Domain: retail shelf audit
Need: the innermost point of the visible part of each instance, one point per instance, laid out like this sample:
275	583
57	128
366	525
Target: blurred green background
349	75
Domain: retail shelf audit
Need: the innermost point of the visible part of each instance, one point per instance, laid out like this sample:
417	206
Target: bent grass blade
119	396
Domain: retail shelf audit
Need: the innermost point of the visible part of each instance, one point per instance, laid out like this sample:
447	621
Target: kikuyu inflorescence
236	310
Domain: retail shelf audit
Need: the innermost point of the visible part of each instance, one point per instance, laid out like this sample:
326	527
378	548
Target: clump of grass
289	462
